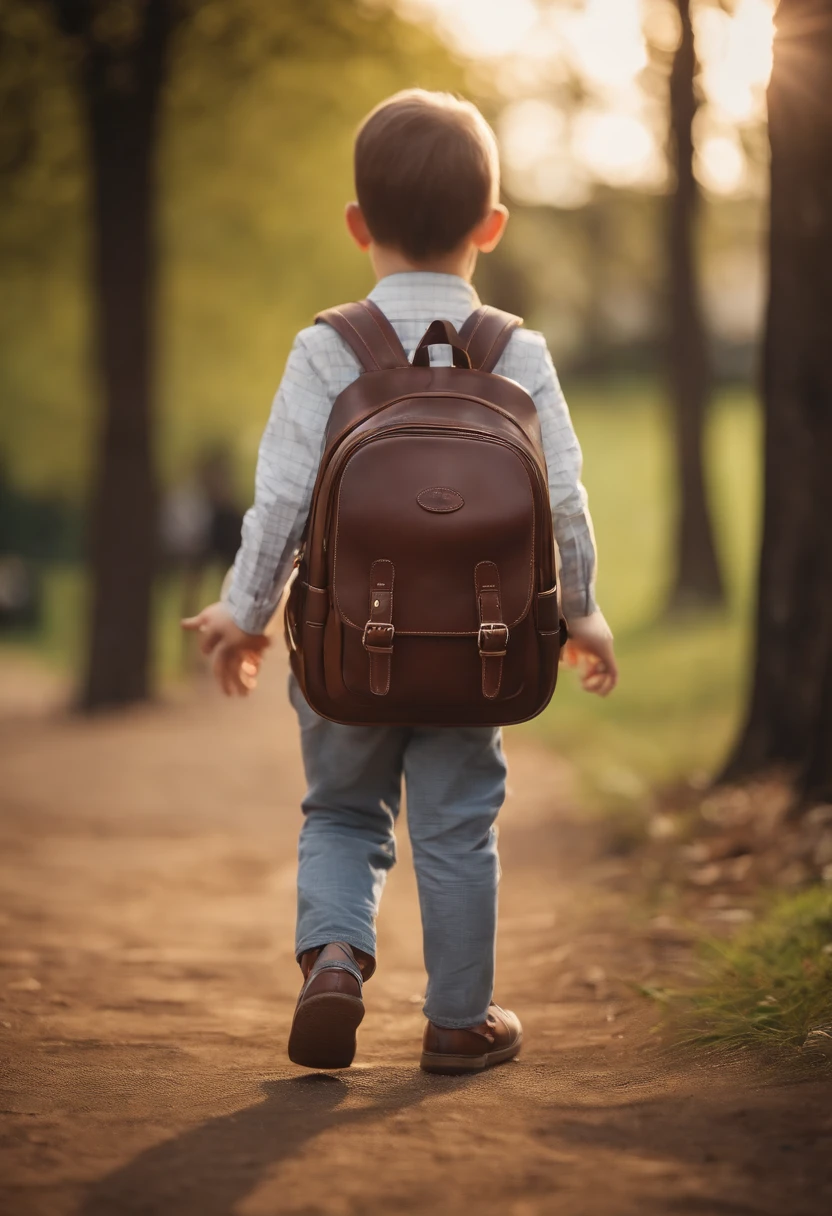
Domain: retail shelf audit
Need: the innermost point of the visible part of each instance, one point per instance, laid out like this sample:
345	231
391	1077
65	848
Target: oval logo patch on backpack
441	499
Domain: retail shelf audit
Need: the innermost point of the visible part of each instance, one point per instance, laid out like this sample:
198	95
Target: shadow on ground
209	1169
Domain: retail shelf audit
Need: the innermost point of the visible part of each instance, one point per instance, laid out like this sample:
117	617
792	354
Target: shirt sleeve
287	464
568	497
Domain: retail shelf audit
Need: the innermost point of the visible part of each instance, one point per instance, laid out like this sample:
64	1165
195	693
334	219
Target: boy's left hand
236	654
590	647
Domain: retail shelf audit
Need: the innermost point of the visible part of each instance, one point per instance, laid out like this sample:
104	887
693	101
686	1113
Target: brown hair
426	172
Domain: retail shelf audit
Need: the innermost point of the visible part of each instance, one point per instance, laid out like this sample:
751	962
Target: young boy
427	182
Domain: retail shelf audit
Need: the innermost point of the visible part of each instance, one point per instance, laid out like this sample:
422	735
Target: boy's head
427	176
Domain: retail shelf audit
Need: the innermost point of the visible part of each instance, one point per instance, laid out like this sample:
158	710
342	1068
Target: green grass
682	680
771	984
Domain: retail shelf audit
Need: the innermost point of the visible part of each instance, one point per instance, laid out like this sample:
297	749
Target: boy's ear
489	231
357	227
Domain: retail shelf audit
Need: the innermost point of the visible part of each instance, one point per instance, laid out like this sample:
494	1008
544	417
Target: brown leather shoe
329	1008
499	1038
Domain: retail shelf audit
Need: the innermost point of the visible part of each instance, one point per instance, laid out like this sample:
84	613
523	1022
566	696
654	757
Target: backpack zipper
338	457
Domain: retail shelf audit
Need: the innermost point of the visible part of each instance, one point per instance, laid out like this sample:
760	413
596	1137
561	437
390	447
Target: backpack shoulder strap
485	335
368	333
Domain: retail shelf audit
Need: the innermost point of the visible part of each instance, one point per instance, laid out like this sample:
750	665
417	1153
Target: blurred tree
253	161
124	48
43	313
697	579
789	720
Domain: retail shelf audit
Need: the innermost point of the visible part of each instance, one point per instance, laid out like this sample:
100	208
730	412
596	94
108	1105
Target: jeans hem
358	943
457	1023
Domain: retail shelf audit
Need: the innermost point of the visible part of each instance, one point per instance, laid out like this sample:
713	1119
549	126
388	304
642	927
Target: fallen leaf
819	1040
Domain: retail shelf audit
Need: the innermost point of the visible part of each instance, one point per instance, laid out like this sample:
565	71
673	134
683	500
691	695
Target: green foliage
254	169
44	381
771	984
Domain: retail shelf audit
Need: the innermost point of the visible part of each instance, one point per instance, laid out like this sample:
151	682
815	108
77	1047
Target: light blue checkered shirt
320	366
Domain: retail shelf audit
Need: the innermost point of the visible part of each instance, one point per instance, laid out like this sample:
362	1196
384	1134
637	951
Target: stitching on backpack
331	445
434	633
483	316
374	657
360	336
494	343
423	633
478	589
497	693
387	561
441	510
384	335
487	586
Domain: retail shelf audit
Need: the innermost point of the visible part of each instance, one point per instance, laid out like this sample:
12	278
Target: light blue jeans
455	780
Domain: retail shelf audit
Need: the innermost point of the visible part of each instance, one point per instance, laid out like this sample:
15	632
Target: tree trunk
789	721
122	87
697	578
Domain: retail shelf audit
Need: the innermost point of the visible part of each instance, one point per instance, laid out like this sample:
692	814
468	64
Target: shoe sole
323	1030
435	1061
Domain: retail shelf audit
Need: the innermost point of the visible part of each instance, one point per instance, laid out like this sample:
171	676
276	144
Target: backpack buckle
383	634
492	639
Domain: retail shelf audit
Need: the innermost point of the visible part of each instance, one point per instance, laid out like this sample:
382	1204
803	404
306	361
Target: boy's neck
460	262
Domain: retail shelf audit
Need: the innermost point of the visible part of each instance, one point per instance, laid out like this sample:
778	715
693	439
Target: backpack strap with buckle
379	631
492	640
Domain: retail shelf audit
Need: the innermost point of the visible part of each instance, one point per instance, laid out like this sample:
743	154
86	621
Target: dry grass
771	985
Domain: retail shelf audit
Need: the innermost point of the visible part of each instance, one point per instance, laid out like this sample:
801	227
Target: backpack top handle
485	335
374	342
441	333
368	333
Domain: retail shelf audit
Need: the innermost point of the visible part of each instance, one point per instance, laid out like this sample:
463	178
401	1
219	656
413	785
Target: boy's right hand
590	647
236	654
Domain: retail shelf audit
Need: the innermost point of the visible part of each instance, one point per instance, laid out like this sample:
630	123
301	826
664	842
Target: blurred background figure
20	595
200	526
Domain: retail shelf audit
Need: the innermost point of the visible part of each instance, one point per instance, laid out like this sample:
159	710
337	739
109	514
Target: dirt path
147	982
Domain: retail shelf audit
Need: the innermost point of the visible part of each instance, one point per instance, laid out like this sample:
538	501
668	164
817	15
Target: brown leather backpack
425	592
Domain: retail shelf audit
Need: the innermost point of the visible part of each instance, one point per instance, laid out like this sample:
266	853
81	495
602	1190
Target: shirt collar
417	292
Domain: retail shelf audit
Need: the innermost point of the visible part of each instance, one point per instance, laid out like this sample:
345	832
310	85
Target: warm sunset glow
620	149
538	157
616	137
720	164
479	27
735	52
607	41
